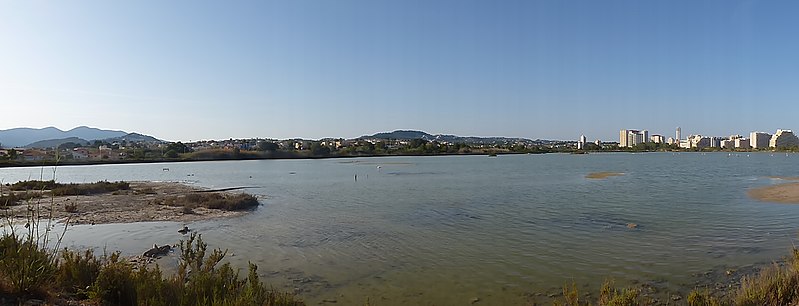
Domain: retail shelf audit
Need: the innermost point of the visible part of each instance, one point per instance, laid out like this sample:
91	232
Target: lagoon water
445	230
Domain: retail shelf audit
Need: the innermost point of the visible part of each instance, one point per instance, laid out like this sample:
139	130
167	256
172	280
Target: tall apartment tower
679	132
623	138
581	143
759	140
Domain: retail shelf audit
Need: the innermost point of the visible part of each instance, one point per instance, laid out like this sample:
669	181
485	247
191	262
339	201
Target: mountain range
411	134
52	137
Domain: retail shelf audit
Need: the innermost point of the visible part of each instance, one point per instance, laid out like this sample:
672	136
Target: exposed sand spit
144	201
602	175
782	193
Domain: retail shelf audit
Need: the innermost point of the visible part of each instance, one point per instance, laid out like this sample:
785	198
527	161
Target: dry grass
60	189
214	200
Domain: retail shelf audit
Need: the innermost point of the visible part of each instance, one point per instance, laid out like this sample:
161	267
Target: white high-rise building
698	141
657	139
581	143
727	144
631	138
783	139
679	132
759	140
742	143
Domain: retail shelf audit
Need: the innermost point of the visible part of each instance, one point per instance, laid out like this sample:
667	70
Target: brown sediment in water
144	201
602	175
782	193
787	178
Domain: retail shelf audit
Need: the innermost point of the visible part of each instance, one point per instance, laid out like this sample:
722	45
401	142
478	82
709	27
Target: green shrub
34	185
609	295
702	298
774	285
115	284
214	200
77	272
24	266
89	188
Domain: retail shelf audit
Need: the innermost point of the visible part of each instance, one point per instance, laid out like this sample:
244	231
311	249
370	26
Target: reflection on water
446	230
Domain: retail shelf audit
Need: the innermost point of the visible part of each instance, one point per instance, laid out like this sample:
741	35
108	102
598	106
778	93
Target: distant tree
267	146
318	149
171	154
178	147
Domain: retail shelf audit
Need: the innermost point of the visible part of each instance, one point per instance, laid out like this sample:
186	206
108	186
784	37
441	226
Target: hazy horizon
313	69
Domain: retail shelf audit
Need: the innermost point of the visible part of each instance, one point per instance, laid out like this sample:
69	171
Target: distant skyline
187	70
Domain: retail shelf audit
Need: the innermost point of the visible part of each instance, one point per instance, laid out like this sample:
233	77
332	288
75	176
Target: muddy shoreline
143	202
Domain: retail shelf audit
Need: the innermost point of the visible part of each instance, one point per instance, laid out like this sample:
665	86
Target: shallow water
444	230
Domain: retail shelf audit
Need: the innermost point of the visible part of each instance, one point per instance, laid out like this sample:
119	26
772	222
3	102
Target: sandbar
143	202
782	193
602	175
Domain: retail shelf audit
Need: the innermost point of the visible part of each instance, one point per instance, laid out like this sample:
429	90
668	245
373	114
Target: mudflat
781	193
602	175
144	201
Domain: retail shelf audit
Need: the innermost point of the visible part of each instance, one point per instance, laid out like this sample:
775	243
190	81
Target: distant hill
134	137
410	134
20	137
54	143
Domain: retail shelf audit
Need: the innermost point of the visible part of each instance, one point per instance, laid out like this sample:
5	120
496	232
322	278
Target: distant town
141	148
640	139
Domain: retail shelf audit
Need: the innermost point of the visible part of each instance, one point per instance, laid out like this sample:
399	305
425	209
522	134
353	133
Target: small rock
474	300
632	225
730	272
676	297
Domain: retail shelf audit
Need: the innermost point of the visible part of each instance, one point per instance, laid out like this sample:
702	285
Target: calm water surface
444	230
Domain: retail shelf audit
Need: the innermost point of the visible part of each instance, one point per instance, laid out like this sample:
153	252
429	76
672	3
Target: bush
77	272
775	285
34	185
214	200
115	284
89	188
71	207
24	266
60	189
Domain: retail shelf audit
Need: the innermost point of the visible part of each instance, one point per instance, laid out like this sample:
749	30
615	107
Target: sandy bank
144	201
782	193
602	175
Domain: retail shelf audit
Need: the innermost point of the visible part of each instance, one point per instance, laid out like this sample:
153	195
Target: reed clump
61	189
214	200
777	284
609	295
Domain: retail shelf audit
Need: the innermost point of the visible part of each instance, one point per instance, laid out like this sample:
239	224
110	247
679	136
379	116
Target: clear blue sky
190	70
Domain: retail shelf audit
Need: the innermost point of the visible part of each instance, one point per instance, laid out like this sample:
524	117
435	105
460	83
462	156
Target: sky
193	70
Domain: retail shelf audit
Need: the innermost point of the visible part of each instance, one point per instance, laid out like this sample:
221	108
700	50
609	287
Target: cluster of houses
102	152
